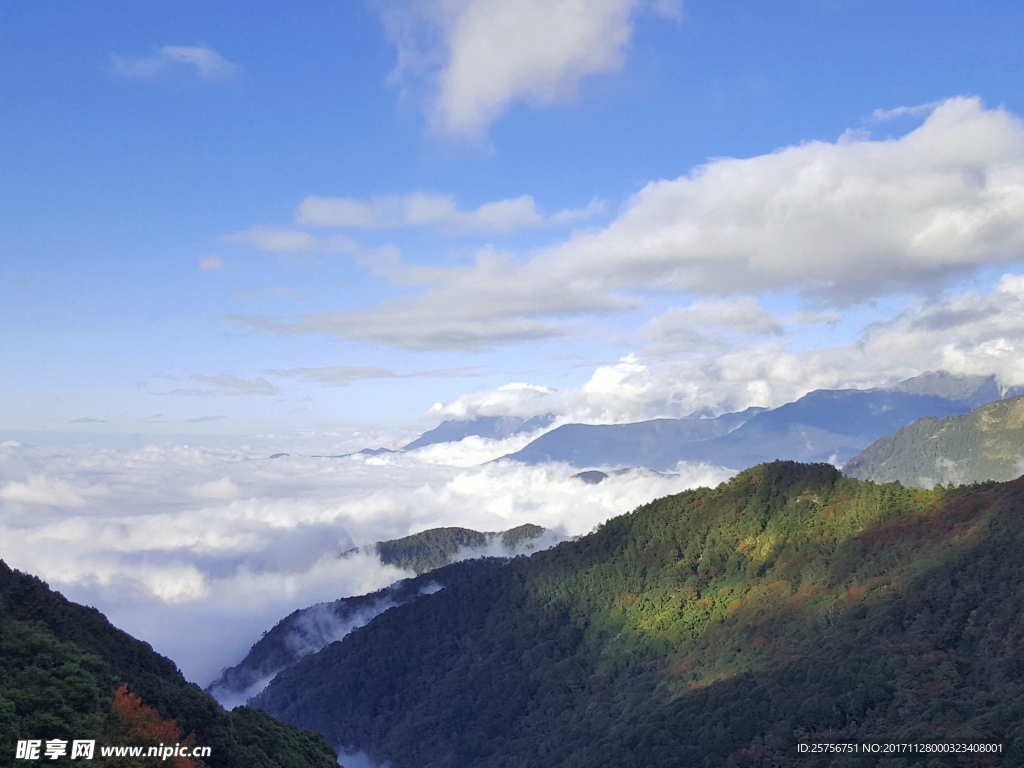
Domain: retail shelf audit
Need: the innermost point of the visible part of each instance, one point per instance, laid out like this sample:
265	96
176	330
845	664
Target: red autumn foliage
139	724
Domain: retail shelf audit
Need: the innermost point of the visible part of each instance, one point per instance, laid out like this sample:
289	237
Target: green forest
715	627
435	548
67	673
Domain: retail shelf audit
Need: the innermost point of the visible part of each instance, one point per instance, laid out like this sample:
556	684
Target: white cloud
200	578
236	385
495	548
920	110
965	334
211	263
207	63
477	57
496	302
337	375
53	492
422	209
841	222
508	400
968	334
224	488
705	322
810	317
291	241
343	375
471	451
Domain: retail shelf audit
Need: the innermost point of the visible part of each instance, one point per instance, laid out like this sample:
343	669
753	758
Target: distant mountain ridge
650	444
453	431
971	390
822	426
985	444
493	427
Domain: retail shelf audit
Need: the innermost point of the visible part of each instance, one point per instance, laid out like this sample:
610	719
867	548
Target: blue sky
230	231
240	219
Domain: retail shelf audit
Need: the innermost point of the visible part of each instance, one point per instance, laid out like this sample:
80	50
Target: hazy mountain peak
493	427
951	386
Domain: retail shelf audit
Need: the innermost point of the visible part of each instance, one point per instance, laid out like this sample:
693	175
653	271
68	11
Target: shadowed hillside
307	630
428	553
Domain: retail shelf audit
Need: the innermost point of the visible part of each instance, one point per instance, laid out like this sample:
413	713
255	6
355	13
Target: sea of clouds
199	549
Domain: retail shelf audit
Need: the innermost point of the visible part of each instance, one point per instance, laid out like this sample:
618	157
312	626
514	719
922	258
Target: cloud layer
732	354
198	550
844	220
838	222
422	209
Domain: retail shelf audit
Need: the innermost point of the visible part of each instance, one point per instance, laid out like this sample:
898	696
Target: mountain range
824	425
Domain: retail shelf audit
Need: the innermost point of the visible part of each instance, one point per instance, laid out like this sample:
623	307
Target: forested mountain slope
985	444
307	630
61	664
707	628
